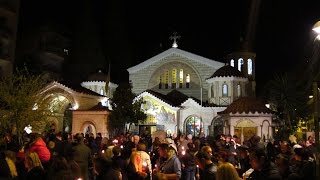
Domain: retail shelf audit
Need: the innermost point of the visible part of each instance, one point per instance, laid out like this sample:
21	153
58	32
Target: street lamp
316	28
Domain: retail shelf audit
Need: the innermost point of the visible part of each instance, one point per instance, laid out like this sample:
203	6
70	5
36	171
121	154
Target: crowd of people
139	157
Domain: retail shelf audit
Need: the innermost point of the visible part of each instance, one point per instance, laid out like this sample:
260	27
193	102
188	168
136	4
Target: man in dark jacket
82	155
207	167
263	168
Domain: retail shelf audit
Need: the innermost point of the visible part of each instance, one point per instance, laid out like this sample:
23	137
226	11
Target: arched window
240	64
238	90
232	63
160	82
250	66
193	125
224	90
180	78
101	91
166	81
187	80
174	78
212	90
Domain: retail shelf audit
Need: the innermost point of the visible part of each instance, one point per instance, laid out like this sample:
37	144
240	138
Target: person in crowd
105	171
233	152
244	159
188	163
263	168
145	157
59	169
34	167
81	154
208	169
282	163
135	169
171	167
226	171
8	169
39	146
303	166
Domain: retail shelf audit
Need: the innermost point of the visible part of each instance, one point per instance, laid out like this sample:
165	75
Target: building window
180	78
188	81
193	126
232	63
166	81
174	78
224	90
160	82
239	90
212	90
240	64
250	66
101	91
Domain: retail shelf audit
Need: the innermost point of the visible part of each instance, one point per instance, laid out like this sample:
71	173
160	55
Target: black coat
269	172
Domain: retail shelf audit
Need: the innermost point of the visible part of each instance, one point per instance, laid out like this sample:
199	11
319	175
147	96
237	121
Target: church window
160	82
232	63
166	82
239	90
193	125
240	64
101	91
224	90
250	66
174	78
212	90
180	78
187	80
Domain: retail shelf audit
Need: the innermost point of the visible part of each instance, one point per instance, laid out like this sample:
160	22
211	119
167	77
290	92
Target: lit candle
144	166
182	147
121	146
183	152
102	151
197	169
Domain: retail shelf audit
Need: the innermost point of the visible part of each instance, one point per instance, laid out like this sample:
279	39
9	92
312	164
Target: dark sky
127	33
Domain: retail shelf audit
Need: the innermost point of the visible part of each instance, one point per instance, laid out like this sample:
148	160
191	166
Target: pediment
177	52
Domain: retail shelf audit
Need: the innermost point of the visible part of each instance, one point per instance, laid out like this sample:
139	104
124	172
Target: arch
240	64
217	125
265	130
232	63
245	123
48	95
192	125
238	90
172	63
250	67
88	127
224	90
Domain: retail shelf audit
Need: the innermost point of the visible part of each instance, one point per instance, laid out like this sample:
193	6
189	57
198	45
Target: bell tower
244	59
9	12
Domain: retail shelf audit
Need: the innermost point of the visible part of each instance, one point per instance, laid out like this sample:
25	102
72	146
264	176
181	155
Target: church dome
227	71
99	76
246	105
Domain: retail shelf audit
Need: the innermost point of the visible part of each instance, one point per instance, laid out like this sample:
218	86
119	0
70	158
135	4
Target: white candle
102	151
197	169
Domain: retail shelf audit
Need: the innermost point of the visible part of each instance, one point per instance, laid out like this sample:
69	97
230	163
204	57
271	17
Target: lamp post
316	28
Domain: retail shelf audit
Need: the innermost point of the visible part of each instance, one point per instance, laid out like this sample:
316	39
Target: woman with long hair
226	171
34	167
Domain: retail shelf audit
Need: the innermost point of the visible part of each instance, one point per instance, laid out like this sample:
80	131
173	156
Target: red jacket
40	147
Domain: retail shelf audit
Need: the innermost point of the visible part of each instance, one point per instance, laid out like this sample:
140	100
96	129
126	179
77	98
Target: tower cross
174	37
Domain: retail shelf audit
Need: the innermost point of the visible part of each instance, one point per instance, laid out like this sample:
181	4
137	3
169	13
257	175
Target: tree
19	105
124	108
287	98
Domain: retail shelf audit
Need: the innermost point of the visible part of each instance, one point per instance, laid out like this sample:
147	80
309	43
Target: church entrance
89	128
245	129
193	126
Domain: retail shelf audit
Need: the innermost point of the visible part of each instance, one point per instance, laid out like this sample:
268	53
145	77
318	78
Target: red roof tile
246	105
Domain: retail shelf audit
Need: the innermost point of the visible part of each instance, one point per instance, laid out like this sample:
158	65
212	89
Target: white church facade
188	93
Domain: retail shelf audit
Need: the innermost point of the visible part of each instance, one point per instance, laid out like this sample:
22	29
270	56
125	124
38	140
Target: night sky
127	33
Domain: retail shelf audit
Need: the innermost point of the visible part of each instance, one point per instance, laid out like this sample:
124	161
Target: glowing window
174	78
239	90
166	82
180	78
193	126
224	90
250	66
232	63
240	64
187	80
